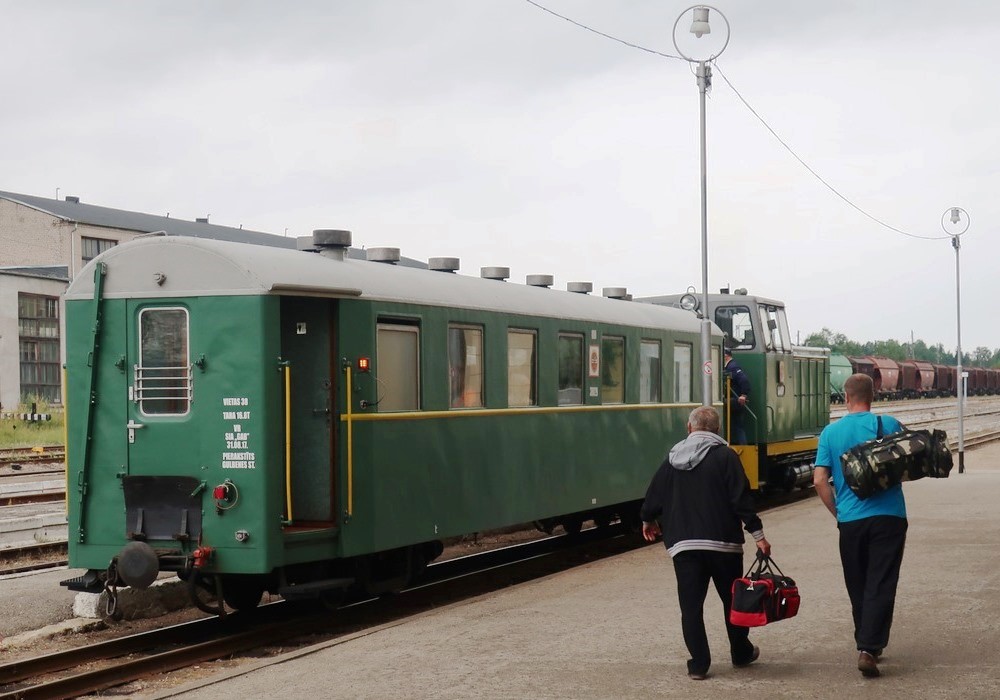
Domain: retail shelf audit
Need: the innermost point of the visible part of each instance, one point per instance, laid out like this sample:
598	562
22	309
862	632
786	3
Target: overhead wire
754	112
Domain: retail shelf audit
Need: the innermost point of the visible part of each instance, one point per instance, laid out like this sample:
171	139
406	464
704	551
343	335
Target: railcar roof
199	267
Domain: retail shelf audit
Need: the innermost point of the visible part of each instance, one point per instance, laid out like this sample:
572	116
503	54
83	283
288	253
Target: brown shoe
867	665
697	676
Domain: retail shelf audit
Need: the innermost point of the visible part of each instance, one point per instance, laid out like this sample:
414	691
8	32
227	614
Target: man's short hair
860	388
704	418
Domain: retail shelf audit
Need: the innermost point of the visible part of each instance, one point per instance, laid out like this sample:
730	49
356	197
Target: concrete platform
611	629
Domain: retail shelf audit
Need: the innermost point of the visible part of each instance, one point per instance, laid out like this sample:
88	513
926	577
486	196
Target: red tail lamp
364	364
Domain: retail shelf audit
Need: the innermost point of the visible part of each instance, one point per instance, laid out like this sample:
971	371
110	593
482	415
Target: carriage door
307	335
159	483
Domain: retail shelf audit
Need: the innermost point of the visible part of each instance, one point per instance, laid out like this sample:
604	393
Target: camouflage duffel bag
879	464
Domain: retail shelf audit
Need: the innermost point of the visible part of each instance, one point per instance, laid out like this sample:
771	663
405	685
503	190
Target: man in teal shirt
872	531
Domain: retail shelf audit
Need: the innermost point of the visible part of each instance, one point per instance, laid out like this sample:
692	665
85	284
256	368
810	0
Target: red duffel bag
763	596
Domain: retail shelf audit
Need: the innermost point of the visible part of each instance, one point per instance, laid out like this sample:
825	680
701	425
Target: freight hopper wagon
789	403
304	423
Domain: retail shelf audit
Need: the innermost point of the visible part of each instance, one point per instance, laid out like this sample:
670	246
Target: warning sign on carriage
707	368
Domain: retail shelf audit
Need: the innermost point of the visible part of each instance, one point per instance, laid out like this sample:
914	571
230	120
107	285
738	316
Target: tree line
917	350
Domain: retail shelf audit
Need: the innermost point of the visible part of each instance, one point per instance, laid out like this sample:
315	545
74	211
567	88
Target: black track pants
694	569
871	550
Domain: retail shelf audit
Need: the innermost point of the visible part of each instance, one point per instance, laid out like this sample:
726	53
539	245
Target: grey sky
492	131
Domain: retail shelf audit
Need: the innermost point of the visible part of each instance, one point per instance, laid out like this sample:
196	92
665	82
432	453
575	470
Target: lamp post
703	72
955	221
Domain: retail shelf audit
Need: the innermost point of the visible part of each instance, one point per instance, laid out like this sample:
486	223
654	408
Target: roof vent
74	200
539	281
494	273
331	243
580	287
616	292
203	220
443	264
383	255
306	243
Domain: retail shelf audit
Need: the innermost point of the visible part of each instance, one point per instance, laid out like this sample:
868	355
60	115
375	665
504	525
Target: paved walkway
611	629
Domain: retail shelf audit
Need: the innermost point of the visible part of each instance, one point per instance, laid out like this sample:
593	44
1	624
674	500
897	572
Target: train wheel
206	593
242	592
602	519
572	525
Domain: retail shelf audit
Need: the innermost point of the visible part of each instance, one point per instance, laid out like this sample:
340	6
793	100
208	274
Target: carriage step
312	589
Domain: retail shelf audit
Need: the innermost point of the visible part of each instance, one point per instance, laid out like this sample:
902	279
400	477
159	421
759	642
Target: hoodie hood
688	453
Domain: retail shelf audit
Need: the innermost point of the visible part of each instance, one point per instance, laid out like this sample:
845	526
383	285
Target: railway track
22	455
91	668
94	667
24	558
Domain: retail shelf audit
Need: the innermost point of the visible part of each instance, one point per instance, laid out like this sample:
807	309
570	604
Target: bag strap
879	434
763	565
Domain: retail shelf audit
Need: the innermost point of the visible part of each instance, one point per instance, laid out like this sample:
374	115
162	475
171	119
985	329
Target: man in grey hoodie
697	500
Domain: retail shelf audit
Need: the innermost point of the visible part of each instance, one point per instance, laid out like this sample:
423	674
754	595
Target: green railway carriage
789	402
294	421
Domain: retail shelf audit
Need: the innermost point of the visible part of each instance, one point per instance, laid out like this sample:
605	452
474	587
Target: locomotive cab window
737	323
650	376
613	370
465	366
162	381
570	369
772	318
398	367
521	368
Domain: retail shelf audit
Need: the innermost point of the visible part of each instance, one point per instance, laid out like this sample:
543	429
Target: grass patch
19	433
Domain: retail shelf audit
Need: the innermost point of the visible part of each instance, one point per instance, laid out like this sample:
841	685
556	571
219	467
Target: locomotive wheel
572	525
206	594
242	592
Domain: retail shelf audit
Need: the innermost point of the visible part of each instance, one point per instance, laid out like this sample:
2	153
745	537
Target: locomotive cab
789	400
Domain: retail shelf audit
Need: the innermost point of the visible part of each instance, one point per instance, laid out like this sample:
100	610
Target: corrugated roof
60	273
135	221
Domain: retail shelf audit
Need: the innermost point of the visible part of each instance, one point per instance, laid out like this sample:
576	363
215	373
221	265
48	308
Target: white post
960	389
704	73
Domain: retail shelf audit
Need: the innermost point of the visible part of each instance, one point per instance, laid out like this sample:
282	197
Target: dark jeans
871	550
737	429
694	569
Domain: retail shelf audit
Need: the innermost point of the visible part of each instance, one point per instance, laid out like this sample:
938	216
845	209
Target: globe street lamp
703	71
955	221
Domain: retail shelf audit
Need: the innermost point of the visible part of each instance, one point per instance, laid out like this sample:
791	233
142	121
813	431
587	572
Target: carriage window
570	369
682	373
521	371
465	366
613	370
649	372
162	381
737	323
398	367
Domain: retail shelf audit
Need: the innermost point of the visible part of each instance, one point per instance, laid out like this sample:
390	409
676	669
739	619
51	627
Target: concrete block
165	595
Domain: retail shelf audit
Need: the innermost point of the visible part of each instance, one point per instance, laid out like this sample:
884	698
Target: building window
163	382
612	370
398	367
521	368
649	372
92	247
682	373
38	347
465	366
570	369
